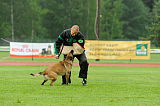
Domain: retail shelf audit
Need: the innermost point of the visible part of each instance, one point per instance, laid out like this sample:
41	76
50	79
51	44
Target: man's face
74	31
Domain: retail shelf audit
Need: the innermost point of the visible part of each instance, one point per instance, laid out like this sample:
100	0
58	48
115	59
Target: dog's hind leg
53	80
53	77
44	81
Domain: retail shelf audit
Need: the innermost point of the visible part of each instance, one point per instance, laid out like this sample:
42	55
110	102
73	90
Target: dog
61	68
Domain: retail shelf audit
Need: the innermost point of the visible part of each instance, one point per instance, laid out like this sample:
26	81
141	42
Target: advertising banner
117	49
18	49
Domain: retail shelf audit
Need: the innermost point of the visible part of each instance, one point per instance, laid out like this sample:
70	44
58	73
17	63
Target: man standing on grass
67	38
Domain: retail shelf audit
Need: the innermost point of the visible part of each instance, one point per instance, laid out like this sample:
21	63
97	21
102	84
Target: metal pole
32	32
12	20
97	22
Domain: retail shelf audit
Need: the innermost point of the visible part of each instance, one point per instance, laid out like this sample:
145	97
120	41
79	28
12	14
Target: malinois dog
61	68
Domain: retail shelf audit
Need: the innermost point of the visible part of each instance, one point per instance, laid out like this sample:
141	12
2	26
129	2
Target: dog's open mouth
72	51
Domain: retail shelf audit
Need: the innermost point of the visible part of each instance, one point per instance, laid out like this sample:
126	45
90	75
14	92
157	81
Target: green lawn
107	86
4	57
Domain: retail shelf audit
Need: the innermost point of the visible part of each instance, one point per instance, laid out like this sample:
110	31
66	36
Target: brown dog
61	68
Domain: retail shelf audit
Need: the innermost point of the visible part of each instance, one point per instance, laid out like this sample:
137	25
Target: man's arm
58	43
81	40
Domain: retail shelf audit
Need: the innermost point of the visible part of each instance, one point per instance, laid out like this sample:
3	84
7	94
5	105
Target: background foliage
44	20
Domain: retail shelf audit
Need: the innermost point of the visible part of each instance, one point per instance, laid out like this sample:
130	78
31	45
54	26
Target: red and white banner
19	49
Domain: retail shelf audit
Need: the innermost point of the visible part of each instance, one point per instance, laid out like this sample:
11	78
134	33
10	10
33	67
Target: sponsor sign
18	49
141	49
117	49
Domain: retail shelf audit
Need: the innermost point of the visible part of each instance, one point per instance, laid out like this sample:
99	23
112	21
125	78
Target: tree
111	20
149	3
38	30
91	14
155	27
136	17
62	14
5	25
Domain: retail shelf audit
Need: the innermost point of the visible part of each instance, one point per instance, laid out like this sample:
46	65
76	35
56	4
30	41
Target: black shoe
84	81
63	83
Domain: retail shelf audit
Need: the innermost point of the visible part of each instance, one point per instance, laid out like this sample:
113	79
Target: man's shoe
84	81
63	83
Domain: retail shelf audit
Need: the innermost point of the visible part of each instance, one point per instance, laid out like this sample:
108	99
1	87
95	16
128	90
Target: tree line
44	20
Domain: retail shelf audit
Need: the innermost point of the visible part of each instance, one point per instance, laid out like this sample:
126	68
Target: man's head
74	30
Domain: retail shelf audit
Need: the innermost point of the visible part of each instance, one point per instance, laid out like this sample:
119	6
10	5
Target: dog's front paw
51	84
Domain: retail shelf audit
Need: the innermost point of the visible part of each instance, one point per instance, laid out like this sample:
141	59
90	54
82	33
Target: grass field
107	86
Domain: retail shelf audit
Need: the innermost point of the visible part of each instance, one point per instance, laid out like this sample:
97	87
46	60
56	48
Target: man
67	38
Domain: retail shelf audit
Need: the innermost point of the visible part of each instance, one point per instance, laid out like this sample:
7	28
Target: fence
4	48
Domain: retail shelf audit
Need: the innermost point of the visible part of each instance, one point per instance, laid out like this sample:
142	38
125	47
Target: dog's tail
37	74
